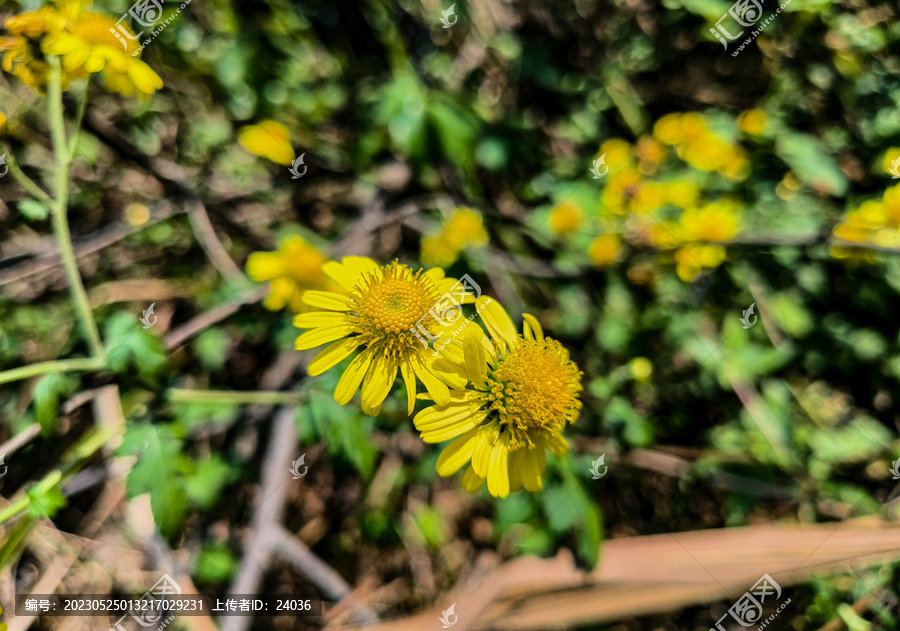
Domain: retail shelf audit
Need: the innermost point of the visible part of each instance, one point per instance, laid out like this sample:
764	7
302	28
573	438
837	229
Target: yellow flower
296	267
524	391
693	258
641	368
20	49
682	193
617	152
437	250
752	122
565	218
268	139
891	161
464	228
717	221
3	626
381	309
650	152
668	129
604	250
88	45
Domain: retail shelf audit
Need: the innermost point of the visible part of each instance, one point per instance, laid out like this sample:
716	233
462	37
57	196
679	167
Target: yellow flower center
387	308
93	28
535	389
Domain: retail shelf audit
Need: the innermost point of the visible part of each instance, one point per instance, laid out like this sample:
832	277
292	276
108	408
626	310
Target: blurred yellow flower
87	45
380	308
691	259
627	192
641	368
524	391
294	268
682	193
699	147
717	221
464	228
605	249
268	139
650	153
752	122
618	154
874	221
565	218
891	161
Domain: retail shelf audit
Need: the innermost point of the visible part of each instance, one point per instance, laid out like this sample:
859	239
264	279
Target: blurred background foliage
759	179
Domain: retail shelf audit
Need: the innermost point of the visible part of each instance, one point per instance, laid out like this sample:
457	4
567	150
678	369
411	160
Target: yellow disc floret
387	306
534	388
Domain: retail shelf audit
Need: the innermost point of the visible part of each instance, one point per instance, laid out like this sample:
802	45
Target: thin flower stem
60	221
79	116
232	397
26	182
85	364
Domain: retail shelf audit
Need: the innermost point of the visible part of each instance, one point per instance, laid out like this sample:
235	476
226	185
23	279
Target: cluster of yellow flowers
699	147
631	196
503	397
875	221
463	229
84	41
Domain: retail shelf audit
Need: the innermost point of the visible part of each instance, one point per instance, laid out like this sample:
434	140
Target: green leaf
130	344
46	399
204	486
46	503
810	161
589	522
159	470
211	348
33	210
216	563
353	435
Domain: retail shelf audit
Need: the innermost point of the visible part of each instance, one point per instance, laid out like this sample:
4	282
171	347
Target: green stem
232	397
43	368
60	222
26	182
79	116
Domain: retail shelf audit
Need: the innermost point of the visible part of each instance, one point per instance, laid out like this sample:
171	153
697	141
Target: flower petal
476	360
317	319
472	481
498	470
409	378
436	388
531	468
352	377
350	270
327	300
322	335
377	384
498	322
532	328
332	356
457	453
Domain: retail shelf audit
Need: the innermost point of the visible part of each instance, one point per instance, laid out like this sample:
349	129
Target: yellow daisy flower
565	218
88	45
388	311
605	250
524	391
268	139
293	269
